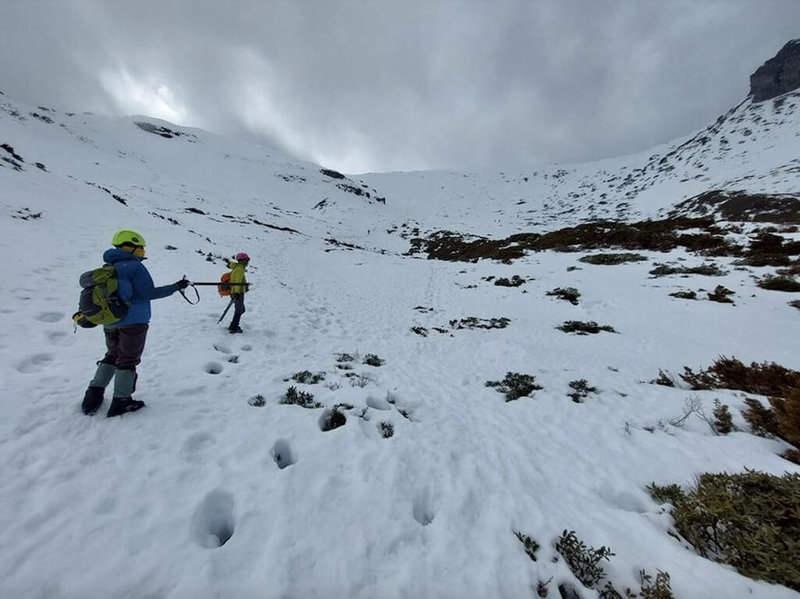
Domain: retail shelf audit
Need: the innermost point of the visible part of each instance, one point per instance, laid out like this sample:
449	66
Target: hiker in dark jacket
125	338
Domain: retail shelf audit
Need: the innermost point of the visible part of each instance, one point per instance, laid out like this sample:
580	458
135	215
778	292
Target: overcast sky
384	85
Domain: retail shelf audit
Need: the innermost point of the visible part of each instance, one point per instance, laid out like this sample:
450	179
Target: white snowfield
203	495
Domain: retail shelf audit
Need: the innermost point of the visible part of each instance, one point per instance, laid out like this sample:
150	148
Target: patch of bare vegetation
613	259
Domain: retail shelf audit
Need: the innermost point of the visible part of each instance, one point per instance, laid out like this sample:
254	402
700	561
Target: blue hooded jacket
135	286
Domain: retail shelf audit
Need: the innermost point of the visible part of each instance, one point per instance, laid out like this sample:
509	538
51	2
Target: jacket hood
114	255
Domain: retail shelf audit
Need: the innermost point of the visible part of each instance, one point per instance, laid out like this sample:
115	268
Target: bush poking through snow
386	429
612	259
750	521
515	281
306	377
299	398
760	418
473	322
684	295
730	373
584	328
795	304
654	589
580	390
663	379
721	294
515	385
373	360
566	293
531	546
583	561
779	283
709	270
257	401
332	419
723	421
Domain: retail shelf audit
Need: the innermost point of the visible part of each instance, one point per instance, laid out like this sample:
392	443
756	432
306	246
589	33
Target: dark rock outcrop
778	75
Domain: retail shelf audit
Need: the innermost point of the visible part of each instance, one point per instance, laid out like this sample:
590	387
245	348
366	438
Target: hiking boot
233	330
123	405
92	400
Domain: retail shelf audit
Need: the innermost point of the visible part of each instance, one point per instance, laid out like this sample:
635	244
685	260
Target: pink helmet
242	256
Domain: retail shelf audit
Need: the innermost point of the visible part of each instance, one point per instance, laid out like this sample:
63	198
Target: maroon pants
124	346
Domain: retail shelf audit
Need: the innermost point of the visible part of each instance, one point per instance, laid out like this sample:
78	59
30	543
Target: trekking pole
197	293
228	307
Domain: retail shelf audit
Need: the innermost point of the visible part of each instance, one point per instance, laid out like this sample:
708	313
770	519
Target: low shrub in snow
257	401
299	398
710	270
566	293
779	283
373	360
531	546
723	421
386	429
583	561
750	521
684	295
307	377
580	390
730	373
584	328
795	304
721	294
612	259
515	385
515	281
783	420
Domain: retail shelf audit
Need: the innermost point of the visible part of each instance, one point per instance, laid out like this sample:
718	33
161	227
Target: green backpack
99	303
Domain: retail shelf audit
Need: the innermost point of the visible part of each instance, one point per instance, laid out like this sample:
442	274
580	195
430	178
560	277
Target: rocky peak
778	75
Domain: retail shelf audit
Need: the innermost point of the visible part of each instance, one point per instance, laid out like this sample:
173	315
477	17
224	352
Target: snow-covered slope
203	494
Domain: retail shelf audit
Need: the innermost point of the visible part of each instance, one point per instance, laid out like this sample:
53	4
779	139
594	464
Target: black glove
182	284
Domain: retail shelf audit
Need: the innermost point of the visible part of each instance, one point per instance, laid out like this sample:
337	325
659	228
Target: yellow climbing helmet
127	237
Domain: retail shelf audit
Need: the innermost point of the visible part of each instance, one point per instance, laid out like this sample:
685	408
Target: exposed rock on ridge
778	75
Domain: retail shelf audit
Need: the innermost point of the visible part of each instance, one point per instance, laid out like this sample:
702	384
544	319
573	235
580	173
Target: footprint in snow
49	316
196	445
422	508
223	349
282	454
213	368
214	522
35	363
60	338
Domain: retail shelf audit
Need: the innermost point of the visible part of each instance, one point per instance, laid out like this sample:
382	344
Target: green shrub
583	561
709	270
750	521
730	373
515	385
723	421
580	390
612	259
566	293
299	398
373	360
531	546
760	418
257	401
515	281
584	328
685	294
721	294
779	283
307	377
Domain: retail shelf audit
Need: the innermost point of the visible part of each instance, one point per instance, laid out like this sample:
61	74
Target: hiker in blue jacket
125	338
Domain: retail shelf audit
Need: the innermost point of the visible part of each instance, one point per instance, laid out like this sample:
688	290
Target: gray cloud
401	84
